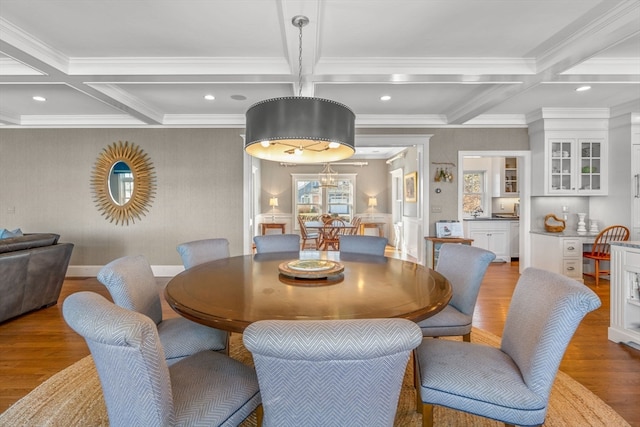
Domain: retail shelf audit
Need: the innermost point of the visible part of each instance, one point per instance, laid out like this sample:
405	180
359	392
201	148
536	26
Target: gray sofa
32	270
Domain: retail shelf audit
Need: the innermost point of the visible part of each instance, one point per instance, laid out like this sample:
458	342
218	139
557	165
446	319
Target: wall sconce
373	202
273	202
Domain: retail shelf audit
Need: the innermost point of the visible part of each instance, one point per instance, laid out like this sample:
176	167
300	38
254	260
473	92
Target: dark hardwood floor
37	345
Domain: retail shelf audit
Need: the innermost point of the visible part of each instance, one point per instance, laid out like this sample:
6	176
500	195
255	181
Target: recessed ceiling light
238	97
39	98
209	97
583	88
385	97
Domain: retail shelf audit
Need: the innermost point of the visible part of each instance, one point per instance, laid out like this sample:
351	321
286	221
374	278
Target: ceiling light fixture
300	129
583	88
385	97
209	97
328	177
39	98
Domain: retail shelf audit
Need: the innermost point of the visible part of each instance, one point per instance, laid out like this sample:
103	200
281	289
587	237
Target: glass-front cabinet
510	187
576	166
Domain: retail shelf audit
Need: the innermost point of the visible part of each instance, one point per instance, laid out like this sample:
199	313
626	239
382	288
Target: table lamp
273	202
373	202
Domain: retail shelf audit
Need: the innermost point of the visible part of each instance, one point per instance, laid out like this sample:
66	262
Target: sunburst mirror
123	183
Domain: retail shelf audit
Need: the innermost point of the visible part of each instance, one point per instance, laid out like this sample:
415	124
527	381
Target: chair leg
597	265
427	415
259	415
466	337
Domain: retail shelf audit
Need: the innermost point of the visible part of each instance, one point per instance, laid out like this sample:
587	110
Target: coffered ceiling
108	63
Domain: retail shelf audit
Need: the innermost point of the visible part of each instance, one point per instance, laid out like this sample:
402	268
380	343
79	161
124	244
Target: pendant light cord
300	24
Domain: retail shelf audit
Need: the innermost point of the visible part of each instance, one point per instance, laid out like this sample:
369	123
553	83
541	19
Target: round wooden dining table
234	292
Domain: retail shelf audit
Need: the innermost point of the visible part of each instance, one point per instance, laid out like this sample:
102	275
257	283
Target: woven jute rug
73	397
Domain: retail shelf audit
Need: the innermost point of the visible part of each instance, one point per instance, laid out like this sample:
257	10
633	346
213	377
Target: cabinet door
561	159
499	244
591	170
510	184
515	239
480	239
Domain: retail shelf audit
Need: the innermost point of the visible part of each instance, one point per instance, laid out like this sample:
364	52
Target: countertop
493	218
628	244
565	233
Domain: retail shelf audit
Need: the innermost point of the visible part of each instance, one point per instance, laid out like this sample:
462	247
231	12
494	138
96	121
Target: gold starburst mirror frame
123	183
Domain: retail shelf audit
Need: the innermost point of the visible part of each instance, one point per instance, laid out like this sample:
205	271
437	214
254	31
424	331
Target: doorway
524	172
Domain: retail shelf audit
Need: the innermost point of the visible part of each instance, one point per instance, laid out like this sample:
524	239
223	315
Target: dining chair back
512	383
368	245
140	388
331	372
277	243
131	284
306	236
464	266
201	251
600	250
356	224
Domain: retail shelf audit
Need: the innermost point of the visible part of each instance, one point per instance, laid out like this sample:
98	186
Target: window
474	192
311	200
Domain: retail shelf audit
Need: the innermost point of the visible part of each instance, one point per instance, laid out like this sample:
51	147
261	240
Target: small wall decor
443	174
411	187
123	182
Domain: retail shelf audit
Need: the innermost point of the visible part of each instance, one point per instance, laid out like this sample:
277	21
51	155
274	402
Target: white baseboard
93	270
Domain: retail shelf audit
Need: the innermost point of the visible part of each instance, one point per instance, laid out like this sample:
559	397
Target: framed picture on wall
411	187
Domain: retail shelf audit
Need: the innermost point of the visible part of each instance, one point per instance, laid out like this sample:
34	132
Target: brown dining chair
331	233
600	251
356	225
305	236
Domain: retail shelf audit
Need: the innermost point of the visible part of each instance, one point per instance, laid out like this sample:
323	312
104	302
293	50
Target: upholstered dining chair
200	251
277	243
140	388
512	383
132	285
331	372
306	236
600	251
369	245
464	266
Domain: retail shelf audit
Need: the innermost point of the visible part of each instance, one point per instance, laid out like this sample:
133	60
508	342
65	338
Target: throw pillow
5	234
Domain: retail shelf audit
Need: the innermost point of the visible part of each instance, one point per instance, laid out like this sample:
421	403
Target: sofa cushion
28	241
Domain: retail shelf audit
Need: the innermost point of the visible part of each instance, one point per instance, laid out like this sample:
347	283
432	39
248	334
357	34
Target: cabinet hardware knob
571	248
570	268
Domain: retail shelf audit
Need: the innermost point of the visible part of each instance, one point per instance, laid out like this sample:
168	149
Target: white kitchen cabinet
505	177
492	235
562	255
514	235
569	153
574	166
625	297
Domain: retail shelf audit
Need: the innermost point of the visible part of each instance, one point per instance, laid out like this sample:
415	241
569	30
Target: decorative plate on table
310	268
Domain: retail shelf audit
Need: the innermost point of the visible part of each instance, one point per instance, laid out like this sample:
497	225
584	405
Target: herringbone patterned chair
140	389
368	245
201	251
131	283
464	266
331	372
277	243
512	383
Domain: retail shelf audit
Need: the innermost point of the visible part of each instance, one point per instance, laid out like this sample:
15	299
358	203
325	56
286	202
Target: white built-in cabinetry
635	198
625	296
514	233
569	155
506	182
562	255
491	235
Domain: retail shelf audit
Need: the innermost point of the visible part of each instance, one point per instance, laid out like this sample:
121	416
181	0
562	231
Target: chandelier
300	129
328	177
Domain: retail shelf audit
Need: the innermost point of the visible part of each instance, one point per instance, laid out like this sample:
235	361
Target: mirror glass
117	169
121	183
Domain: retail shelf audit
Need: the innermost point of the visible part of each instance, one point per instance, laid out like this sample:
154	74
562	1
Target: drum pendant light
300	129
